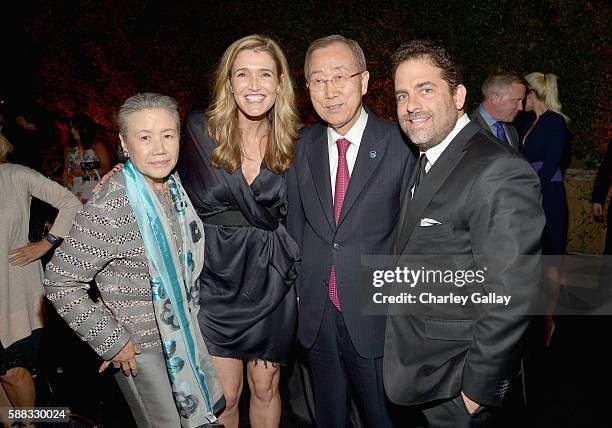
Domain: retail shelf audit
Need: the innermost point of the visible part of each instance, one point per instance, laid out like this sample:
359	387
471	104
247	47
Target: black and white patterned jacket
105	246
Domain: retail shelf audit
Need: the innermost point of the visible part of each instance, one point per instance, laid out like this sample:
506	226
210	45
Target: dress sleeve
193	163
91	244
555	132
56	195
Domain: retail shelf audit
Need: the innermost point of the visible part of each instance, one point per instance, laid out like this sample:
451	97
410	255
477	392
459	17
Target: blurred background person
142	241
545	144
28	128
36	144
503	92
21	290
232	163
598	199
85	159
41	213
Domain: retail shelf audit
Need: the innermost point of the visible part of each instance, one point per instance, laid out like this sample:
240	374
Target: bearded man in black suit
476	200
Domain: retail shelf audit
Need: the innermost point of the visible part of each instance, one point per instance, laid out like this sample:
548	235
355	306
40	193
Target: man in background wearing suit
344	202
503	93
600	192
475	200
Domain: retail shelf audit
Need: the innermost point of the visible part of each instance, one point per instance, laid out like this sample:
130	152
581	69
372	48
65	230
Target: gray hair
146	101
324	42
501	79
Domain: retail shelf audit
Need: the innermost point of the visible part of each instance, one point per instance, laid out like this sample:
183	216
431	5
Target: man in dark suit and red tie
344	202
476	204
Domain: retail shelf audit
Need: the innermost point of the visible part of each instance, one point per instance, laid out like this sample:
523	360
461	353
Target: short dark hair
86	127
436	54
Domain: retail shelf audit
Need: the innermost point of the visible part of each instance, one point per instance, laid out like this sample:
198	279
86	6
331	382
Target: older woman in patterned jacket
138	239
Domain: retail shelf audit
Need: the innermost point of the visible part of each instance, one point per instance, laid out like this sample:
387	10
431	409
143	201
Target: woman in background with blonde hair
232	163
545	145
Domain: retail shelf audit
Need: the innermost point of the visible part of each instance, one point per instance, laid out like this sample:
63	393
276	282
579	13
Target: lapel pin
372	154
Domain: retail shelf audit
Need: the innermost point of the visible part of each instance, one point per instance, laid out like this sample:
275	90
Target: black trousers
337	369
452	413
608	247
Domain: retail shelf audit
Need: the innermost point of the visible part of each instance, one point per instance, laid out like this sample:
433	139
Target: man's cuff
486	392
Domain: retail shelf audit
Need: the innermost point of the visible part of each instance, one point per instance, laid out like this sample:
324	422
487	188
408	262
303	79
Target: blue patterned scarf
175	296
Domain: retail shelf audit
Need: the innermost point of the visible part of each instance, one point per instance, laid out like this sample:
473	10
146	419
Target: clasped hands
124	360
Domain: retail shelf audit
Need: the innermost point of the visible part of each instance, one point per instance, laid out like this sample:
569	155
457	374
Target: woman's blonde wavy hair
222	114
545	88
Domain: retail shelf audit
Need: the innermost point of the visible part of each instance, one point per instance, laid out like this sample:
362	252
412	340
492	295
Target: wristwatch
52	239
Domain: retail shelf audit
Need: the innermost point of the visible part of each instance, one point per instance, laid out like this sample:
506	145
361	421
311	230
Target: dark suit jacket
513	137
367	225
602	181
486	198
600	192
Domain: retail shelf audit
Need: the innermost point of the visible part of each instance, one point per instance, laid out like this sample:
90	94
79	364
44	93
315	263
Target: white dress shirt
491	121
354	136
435	152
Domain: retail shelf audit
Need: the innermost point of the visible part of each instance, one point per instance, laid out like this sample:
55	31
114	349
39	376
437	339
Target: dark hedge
92	55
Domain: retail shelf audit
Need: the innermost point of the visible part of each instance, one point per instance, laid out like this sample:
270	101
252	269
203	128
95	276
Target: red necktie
342	180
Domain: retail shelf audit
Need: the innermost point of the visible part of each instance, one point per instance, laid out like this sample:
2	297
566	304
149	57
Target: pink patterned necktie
342	180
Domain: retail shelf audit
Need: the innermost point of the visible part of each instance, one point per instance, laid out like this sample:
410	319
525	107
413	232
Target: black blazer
367	225
485	198
602	181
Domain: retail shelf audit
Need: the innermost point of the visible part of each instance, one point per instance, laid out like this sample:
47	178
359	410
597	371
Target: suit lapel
318	161
371	151
510	130
483	123
406	196
434	179
512	136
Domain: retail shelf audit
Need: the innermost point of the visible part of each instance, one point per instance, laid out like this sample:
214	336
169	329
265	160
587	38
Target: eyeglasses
339	81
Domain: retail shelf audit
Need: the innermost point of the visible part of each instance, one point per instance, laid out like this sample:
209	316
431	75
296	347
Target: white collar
434	153
354	135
